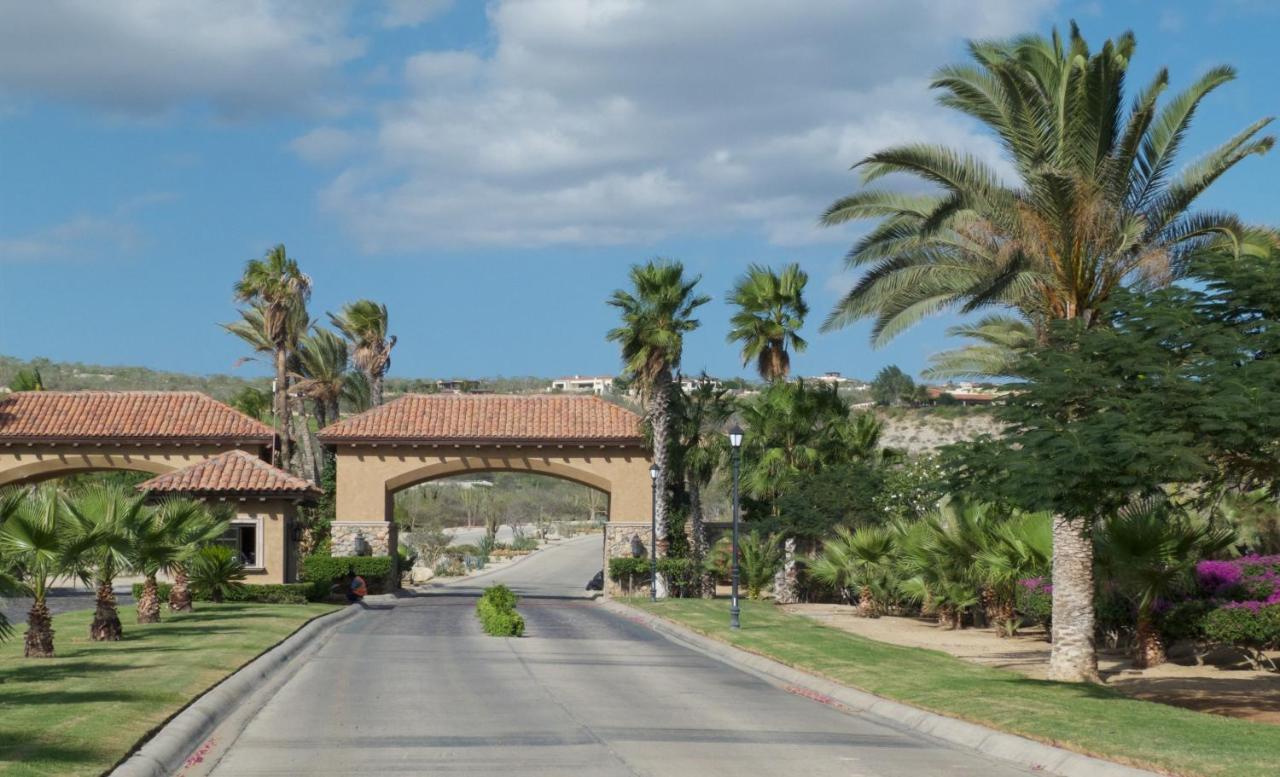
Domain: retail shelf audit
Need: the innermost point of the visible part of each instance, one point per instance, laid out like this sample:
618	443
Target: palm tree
1151	548
160	540
27	380
253	402
33	543
771	311
861	560
216	570
701	447
322	372
364	322
1017	549
100	520
1001	341
656	315
1097	205
191	526
278	290
10	586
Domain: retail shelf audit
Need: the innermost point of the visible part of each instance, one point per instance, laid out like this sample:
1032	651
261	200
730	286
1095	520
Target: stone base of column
622	540
362	538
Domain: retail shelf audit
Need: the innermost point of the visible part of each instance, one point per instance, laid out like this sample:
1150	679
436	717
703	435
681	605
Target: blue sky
489	171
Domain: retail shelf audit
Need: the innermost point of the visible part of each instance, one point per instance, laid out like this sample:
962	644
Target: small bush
1035	600
322	571
524	543
631	572
1185	620
266	593
1257	628
497	612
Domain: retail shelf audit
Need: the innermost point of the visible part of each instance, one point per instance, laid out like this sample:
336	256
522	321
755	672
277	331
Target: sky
490	171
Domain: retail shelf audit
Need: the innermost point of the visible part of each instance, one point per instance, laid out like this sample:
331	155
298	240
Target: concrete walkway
417	688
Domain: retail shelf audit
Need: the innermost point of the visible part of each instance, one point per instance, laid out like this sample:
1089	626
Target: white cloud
144	57
613	121
84	236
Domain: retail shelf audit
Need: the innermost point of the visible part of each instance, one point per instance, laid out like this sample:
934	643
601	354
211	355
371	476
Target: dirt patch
1239	693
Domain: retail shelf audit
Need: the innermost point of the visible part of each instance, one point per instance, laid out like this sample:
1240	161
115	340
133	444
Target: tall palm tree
364	322
33	543
322	372
701	447
1097	204
278	290
100	518
1000	342
771	311
656	315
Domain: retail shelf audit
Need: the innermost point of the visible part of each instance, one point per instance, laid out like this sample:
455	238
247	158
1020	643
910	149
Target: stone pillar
621	539
380	537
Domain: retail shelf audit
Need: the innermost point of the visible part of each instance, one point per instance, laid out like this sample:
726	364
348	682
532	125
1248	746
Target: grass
1086	718
83	711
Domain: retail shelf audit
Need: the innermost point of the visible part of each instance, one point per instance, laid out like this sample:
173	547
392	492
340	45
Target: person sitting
356	588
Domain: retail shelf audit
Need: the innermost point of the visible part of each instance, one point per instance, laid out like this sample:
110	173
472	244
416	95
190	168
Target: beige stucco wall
275	516
369	476
20	463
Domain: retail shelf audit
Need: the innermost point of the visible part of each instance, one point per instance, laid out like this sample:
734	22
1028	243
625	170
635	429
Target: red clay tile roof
493	418
233	472
126	416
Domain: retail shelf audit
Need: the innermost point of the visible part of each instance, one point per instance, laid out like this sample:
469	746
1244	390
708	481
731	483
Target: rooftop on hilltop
127	416
235	472
492	418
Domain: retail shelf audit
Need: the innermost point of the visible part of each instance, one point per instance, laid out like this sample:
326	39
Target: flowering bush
1035	600
1249	582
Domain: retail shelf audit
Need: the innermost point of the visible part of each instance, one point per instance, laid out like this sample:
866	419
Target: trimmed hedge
1257	628
631	571
272	593
322	571
497	612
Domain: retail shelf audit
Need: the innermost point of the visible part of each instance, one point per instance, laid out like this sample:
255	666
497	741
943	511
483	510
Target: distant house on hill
965	394
584	384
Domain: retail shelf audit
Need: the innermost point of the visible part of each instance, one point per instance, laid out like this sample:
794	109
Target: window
243	539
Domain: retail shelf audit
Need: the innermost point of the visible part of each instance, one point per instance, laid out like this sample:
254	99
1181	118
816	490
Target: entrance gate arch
421	437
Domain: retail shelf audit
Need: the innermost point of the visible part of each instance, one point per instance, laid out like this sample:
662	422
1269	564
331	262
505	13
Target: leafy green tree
33	545
277	291
771	311
1097	204
892	386
216	571
253	402
656	315
98	545
27	380
365	322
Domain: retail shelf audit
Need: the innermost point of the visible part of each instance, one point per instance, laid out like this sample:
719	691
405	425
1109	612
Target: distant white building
584	384
833	378
688	384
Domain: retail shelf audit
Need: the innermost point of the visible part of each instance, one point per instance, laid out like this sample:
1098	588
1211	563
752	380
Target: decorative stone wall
622	539
380	538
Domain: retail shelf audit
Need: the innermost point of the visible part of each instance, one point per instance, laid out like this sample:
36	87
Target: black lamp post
735	442
653	534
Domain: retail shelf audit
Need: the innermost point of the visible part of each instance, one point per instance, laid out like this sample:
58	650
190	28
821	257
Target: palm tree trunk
149	602
786	581
375	388
321	412
280	408
660	417
310	466
180	594
39	638
867	603
1074	657
1150	644
706	582
106	625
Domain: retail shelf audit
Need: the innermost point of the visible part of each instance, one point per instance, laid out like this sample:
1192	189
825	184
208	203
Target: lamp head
653	471
735	436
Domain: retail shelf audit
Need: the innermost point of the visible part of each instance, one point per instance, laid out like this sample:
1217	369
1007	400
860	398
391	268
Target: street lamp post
653	533
735	442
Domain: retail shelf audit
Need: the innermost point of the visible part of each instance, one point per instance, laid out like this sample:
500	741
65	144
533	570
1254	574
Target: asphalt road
417	688
62	599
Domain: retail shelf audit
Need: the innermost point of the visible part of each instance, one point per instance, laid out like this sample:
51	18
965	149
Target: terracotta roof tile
490	418
233	472
53	416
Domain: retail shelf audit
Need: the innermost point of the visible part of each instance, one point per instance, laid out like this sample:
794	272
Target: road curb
997	744
167	750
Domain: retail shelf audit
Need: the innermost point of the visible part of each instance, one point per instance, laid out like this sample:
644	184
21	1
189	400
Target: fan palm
217	571
100	518
191	526
278	291
860	560
1151	548
322	372
10	587
33	544
656	315
364	322
1097	204
771	311
701	447
1017	549
793	429
1001	341
759	556
160	540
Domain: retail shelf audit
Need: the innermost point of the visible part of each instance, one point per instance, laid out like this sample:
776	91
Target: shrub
1245	625
1185	620
217	571
264	593
1035	600
497	612
524	543
322	571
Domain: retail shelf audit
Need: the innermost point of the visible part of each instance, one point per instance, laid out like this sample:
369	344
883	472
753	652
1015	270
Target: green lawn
79	713
1088	719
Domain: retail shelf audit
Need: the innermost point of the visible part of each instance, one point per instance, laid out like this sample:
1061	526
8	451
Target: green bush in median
497	612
